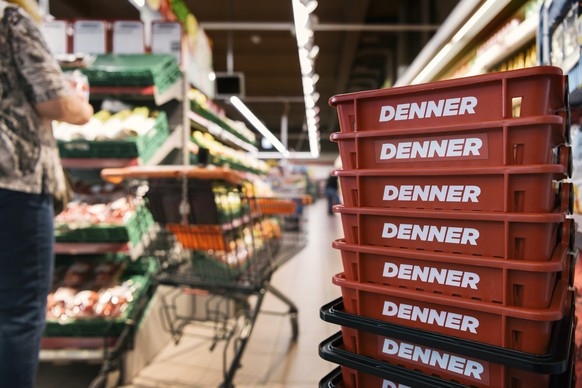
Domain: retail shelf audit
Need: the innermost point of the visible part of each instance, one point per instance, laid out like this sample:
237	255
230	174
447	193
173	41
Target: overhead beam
268	26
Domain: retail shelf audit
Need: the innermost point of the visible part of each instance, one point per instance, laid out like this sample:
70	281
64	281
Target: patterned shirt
29	74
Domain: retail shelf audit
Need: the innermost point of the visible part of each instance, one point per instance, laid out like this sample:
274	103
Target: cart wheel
294	326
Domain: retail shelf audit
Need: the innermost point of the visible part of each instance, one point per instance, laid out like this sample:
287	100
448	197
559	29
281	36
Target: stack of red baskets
458	251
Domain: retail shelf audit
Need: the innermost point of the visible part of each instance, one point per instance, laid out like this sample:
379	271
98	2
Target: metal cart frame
185	224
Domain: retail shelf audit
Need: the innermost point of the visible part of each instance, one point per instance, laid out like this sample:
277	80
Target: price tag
128	37
90	37
55	34
167	38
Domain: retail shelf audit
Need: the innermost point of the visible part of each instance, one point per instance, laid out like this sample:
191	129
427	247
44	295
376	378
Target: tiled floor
271	359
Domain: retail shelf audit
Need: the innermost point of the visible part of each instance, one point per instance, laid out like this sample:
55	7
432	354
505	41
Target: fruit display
90	290
221	154
105	125
228	203
206	107
81	214
243	244
117	218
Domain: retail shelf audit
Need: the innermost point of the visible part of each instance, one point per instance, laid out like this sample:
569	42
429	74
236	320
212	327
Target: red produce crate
524	236
507	282
498	189
520	141
535	91
435	362
518	328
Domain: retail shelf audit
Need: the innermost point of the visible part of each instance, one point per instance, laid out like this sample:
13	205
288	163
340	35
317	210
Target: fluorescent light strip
472	26
432	64
473	20
246	112
292	155
304	36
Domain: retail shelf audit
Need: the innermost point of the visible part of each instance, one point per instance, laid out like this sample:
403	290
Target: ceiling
364	44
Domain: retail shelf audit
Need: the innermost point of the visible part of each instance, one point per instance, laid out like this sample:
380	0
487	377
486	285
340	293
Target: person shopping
33	91
332	192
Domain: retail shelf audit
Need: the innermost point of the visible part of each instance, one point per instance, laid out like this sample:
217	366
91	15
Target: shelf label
167	38
90	36
55	34
128	37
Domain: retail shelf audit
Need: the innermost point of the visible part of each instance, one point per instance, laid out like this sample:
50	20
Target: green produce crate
141	271
159	70
144	146
217	120
209	268
132	232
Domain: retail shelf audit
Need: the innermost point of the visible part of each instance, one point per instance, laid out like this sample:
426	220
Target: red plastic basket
498	189
524	236
435	362
352	378
507	282
517	328
510	142
535	91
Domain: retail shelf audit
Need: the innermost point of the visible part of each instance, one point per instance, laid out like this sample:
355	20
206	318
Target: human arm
71	109
41	78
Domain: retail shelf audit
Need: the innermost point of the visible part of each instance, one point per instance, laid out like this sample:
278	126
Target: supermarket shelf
172	142
90	248
174	92
427	66
217	131
85	248
94	163
70	355
522	34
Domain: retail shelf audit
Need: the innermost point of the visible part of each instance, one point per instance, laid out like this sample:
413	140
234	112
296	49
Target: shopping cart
216	240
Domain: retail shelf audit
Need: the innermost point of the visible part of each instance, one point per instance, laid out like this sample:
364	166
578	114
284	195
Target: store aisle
271	358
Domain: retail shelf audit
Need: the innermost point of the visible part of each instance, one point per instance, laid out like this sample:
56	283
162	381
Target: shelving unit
449	52
106	350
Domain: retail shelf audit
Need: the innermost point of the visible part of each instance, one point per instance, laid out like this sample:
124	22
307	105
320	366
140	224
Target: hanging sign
128	37
90	36
167	38
55	34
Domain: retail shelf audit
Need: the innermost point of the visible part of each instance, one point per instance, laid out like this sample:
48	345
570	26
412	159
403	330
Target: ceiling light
473	20
292	155
138	3
432	64
472	26
307	53
307	85
310	6
314	52
254	120
315	78
314	143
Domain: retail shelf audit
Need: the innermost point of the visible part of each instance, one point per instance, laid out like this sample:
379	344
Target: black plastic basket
554	362
331	350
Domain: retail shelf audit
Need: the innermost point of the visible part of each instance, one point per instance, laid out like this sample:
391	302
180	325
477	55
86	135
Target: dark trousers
332	198
26	265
